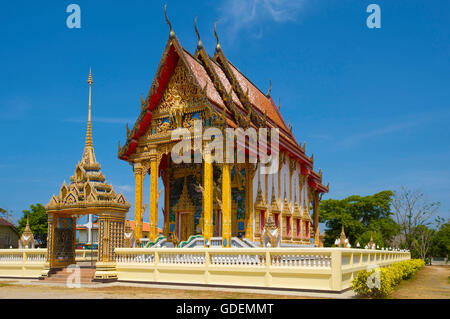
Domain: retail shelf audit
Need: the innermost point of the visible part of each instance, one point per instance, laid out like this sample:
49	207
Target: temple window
262	220
288	225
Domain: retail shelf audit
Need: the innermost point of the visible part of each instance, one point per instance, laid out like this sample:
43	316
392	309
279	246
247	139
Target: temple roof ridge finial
217	38
199	44
172	34
270	88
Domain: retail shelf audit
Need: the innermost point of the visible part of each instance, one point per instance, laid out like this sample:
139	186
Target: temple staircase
62	275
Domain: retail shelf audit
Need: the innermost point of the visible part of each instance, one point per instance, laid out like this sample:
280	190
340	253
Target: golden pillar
111	228
249	174
292	165
166	203
208	198
316	217
153	224
279	185
139	173
266	189
226	205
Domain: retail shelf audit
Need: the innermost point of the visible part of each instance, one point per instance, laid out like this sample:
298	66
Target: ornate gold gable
306	215
260	202
274	207
184	204
297	212
180	99
286	206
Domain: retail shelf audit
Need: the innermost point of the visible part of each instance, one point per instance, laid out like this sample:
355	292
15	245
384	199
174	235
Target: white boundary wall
330	269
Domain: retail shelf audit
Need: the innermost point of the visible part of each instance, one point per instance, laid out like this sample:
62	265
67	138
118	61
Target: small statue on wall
27	238
271	234
129	238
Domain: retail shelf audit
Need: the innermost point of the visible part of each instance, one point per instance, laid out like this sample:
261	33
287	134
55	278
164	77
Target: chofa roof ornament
172	34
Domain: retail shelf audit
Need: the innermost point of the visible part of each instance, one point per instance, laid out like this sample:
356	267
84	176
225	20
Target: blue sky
371	104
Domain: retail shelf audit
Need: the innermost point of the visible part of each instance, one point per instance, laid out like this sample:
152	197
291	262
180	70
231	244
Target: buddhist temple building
87	193
222	203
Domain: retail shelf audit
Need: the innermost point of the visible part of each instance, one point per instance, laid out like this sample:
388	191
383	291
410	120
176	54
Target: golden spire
89	127
27	227
88	153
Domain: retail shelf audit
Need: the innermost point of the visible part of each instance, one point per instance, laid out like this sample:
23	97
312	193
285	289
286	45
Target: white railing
30	262
22	262
293	268
22	255
86	254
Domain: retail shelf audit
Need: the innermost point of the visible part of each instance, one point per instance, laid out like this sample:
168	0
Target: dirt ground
432	282
12	290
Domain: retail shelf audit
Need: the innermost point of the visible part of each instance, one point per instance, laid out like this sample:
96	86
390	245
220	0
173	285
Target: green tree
441	241
361	216
5	214
422	242
38	223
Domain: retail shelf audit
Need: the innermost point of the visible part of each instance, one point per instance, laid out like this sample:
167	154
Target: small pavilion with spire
87	193
27	238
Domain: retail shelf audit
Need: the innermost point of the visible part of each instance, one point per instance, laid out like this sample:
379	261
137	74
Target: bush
381	282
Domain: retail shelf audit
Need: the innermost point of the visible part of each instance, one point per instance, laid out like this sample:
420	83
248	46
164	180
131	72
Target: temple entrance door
183	226
64	241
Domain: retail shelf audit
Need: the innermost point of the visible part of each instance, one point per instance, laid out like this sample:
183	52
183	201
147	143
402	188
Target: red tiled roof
145	227
258	99
203	79
4	222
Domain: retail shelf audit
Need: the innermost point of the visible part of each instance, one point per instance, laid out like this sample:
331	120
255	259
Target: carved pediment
70	199
180	97
120	199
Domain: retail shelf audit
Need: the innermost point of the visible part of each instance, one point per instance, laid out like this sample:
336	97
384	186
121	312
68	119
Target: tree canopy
361	216
38	223
441	241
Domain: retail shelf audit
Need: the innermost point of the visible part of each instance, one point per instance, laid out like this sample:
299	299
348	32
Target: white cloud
124	188
252	14
396	127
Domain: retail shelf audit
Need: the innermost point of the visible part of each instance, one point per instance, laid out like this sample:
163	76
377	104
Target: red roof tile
4	222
